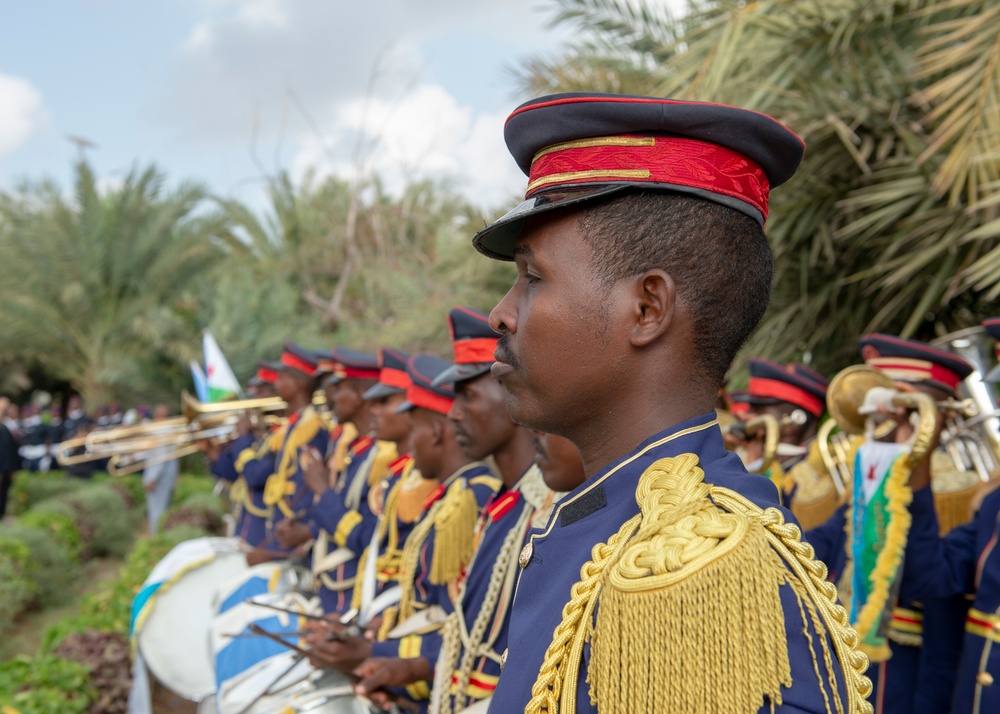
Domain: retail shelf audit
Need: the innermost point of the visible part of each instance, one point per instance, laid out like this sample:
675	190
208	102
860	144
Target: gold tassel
954	508
454	526
724	648
385	455
338	460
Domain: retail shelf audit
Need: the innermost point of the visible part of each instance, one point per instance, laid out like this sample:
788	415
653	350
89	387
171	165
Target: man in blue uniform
474	638
916	645
343	521
964	562
795	395
661	583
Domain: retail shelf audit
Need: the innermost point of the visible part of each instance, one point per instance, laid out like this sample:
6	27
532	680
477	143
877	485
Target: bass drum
172	613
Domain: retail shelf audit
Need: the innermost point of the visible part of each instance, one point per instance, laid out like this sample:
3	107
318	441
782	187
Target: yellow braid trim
245	457
686	554
811	585
454	524
689	557
887	564
386	453
347	524
338	460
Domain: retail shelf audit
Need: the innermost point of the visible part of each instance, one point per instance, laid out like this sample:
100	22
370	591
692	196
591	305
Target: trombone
132	448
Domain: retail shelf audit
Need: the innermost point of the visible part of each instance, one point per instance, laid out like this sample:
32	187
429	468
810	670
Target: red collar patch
500	506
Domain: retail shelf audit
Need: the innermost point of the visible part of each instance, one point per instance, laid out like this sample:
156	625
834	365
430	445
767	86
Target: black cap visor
381	391
497	239
461	373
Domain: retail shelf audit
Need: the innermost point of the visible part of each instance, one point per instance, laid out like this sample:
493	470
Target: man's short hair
718	258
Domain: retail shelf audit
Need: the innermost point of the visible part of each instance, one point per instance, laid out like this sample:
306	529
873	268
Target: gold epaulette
385	454
454	524
708	553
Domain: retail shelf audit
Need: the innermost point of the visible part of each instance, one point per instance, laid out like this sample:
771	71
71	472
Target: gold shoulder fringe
706	553
454	524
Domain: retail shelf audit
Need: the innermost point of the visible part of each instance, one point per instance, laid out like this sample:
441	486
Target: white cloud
425	133
21	113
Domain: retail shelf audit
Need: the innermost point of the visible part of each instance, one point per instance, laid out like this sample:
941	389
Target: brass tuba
855	395
971	432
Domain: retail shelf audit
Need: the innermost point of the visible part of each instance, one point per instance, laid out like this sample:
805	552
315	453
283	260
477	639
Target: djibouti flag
222	383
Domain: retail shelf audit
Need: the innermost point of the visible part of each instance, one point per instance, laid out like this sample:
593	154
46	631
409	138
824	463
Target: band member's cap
473	341
578	147
424	391
914	361
392	376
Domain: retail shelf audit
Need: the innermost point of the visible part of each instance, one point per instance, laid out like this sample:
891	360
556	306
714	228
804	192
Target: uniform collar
616	483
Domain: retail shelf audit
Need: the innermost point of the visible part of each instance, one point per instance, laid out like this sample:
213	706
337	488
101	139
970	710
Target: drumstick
288	633
351	631
401	702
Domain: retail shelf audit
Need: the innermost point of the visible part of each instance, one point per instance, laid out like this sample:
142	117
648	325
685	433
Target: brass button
503	659
984	679
525	556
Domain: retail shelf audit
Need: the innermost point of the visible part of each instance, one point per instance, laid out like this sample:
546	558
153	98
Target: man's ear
654	299
440	430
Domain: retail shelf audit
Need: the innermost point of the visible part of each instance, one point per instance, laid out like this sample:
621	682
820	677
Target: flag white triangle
222	383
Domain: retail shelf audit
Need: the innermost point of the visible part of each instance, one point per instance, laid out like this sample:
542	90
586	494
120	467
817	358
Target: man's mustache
503	353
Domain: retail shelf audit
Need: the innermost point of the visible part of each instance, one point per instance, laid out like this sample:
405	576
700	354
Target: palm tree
892	221
98	286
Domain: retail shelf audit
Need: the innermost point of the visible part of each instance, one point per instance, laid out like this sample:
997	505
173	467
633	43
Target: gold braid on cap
720	560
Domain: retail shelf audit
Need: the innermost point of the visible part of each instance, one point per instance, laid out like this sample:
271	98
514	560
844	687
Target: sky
227	92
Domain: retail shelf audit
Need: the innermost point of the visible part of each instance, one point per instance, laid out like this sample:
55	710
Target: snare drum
331	693
172	613
274	579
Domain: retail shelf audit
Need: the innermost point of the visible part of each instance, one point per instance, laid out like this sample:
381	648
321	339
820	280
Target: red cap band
426	399
290	360
477	350
669	160
760	387
915	370
346	372
739	408
268	376
394	378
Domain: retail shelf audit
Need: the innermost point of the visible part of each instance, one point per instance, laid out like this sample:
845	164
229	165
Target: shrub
16	589
44	685
49	566
188	485
29	489
201	510
101	515
59	524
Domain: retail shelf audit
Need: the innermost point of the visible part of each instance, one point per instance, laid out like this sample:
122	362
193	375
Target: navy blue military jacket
966	561
593	513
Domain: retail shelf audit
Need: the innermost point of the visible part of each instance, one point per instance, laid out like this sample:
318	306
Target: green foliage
111	278
16	589
29	489
45	685
105	525
110	609
106	655
59	525
50	567
189	485
892	222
